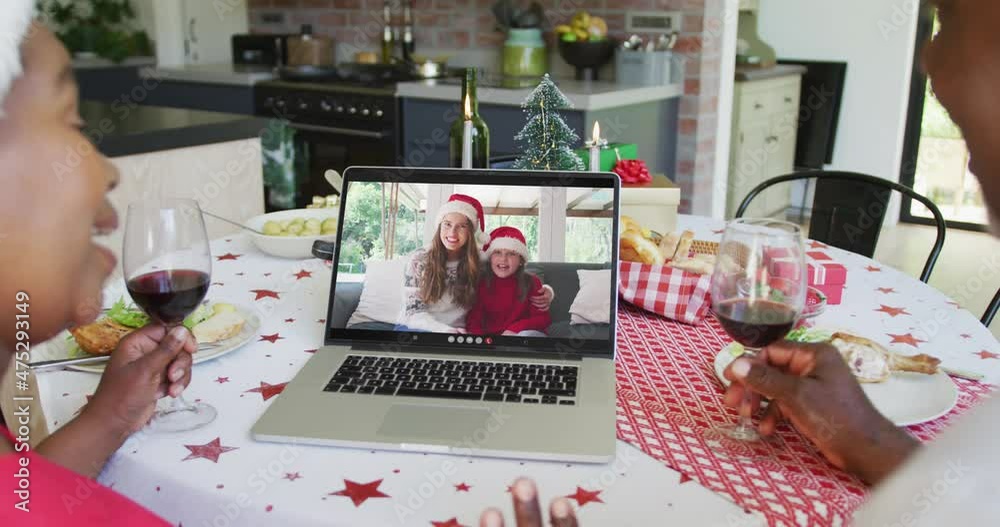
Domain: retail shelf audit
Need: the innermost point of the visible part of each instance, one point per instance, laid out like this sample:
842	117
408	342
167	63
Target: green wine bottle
476	127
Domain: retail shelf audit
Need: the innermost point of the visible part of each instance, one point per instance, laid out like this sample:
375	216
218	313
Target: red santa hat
469	207
509	238
15	24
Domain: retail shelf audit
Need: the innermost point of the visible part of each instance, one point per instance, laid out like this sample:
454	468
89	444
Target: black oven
325	127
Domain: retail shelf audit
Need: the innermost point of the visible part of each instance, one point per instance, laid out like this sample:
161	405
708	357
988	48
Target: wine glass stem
179	403
745	423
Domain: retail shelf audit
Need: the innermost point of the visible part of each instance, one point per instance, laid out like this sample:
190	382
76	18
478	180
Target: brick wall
457	24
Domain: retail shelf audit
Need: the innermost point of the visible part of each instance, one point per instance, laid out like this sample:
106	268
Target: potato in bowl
291	233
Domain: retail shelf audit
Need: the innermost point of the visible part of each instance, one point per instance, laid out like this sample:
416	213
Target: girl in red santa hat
503	307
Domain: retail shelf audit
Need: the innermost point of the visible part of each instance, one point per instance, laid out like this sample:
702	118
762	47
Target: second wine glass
758	294
168	268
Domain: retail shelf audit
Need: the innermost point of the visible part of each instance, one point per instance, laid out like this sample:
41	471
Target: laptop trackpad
433	422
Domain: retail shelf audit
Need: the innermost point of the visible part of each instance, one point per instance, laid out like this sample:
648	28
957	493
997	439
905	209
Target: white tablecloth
219	476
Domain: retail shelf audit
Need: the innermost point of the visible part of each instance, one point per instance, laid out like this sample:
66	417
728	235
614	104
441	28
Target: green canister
524	53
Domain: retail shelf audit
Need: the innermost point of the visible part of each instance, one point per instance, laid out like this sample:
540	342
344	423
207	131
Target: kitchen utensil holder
649	68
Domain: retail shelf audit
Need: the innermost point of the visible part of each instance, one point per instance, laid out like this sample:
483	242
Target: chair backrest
849	209
849	214
991	310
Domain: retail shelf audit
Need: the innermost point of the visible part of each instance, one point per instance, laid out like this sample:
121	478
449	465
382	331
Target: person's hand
527	512
148	365
509	333
544	298
813	387
459	331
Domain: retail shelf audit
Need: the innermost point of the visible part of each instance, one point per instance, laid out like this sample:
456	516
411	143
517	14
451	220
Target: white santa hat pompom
14	26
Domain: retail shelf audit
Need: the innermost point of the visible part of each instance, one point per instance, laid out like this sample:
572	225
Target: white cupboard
765	128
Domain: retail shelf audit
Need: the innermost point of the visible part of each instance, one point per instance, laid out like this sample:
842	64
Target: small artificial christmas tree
546	138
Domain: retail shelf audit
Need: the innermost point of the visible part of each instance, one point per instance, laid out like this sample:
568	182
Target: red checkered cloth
668	396
672	293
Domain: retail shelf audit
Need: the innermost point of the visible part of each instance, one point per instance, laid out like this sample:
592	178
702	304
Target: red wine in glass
167	263
169	296
758	293
755	324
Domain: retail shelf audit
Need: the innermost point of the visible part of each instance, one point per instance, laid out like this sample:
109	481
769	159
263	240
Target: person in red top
503	306
52	275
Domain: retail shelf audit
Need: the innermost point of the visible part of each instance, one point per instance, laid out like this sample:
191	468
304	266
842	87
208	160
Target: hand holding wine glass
758	294
149	364
168	267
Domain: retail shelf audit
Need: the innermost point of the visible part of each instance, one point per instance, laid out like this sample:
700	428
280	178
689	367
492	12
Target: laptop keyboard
457	379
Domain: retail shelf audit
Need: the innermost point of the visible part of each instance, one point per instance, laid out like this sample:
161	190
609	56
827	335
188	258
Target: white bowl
290	246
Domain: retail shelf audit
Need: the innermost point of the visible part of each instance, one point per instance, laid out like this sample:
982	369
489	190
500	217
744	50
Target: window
366	219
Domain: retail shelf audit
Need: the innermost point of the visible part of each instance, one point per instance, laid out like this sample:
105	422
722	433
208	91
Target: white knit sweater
443	316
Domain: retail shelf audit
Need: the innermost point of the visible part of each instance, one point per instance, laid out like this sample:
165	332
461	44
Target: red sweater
57	496
499	308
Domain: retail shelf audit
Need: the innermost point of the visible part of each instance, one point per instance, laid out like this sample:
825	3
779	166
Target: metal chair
991	311
849	208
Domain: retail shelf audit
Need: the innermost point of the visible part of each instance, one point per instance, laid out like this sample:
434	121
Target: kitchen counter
101	63
586	96
225	74
749	74
122	130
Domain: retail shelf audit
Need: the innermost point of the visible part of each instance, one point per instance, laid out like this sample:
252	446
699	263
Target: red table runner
668	396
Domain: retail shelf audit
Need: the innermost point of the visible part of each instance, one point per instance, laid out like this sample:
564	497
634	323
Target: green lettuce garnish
809	335
126	315
200	315
133	317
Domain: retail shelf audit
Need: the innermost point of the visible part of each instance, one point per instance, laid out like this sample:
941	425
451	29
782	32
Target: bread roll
684	246
692	265
644	250
218	327
668	245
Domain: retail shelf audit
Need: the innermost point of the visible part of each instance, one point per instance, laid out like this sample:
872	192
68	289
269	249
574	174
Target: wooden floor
965	255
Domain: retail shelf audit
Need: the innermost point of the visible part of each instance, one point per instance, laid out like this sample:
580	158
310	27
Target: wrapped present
824	273
668	292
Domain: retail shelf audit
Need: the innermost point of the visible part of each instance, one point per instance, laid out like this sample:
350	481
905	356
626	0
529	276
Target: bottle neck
469	90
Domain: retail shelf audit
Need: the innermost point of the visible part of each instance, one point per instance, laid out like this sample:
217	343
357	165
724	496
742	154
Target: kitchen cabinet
765	129
749	5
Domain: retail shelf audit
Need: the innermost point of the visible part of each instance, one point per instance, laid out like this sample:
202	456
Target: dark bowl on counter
587	57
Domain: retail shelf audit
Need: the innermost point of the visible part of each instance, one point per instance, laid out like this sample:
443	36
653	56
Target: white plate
905	399
247	334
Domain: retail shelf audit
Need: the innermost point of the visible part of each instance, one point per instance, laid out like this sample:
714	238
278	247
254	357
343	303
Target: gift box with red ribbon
825	273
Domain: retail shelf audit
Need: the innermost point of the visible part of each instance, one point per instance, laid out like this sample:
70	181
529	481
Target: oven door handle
335	130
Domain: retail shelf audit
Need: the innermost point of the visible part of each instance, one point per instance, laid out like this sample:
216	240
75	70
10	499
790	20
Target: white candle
467	136
595	149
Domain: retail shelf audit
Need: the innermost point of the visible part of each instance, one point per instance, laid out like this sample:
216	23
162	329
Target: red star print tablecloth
667	394
219	476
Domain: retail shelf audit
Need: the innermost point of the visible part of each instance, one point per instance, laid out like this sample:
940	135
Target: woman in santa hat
52	273
503	307
440	282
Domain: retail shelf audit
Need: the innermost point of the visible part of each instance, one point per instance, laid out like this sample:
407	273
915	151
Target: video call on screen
401	269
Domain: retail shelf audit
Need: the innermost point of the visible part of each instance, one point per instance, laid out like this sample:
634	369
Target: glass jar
524	54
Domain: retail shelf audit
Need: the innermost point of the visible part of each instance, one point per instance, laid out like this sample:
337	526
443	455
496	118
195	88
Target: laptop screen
503	260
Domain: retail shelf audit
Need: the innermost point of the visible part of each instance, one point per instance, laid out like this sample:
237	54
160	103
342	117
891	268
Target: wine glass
168	267
758	293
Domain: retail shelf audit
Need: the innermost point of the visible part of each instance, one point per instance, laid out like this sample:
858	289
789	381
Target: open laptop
382	382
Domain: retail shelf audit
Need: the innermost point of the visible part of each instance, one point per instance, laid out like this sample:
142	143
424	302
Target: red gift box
668	292
825	273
